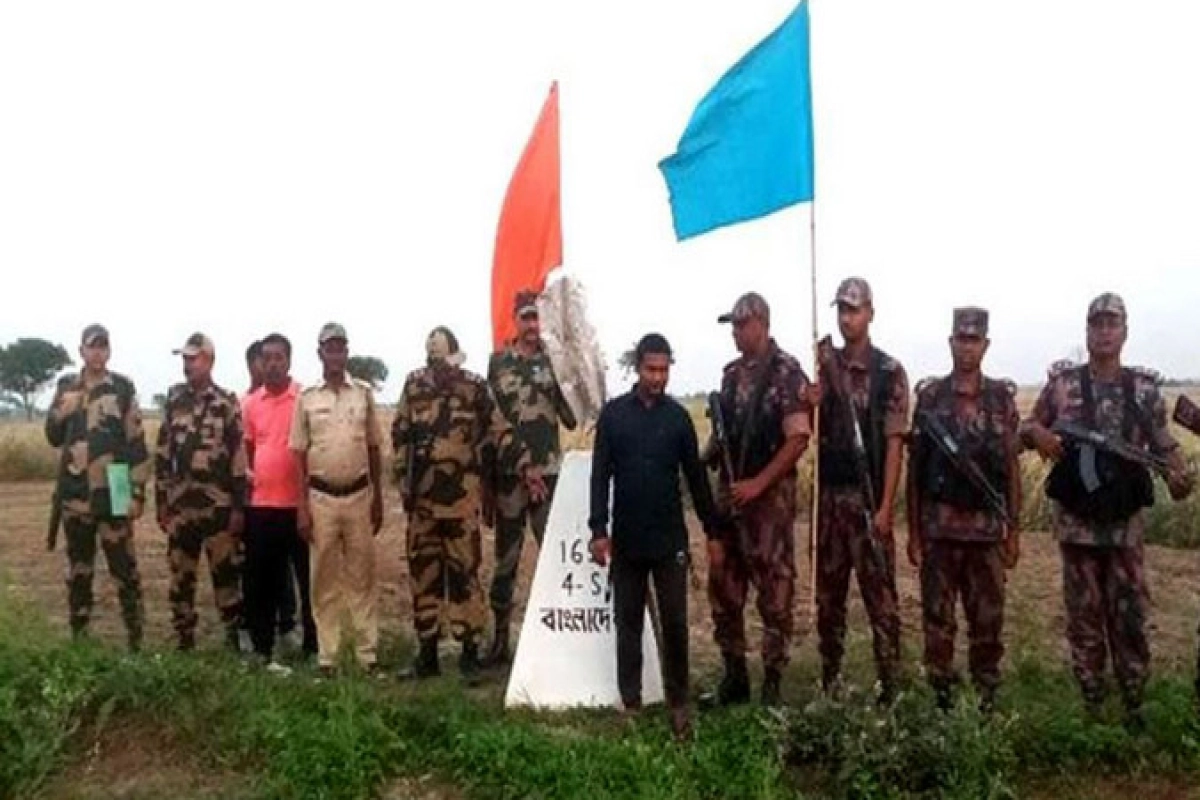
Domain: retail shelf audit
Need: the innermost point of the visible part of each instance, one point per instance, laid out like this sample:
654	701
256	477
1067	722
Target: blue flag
748	148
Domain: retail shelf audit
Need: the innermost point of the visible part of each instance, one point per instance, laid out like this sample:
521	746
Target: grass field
90	722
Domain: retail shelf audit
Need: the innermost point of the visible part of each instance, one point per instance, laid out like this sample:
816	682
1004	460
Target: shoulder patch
1145	373
1060	367
927	385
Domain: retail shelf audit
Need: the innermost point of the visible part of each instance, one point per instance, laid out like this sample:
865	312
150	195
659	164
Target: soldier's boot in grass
943	694
1134	721
831	680
1093	700
734	686
469	665
772	678
987	700
186	642
498	654
425	664
233	642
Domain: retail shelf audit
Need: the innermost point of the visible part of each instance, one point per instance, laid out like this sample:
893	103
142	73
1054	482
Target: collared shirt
965	412
641	450
105	429
449	425
1062	398
268	423
200	460
336	425
857	373
529	396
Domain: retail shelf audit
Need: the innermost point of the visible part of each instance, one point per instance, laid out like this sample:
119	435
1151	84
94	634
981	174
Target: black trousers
273	549
631	584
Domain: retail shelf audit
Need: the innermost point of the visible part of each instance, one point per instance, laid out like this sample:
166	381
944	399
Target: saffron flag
748	148
529	236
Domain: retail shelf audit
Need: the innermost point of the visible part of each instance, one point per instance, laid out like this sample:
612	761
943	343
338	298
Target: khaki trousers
343	574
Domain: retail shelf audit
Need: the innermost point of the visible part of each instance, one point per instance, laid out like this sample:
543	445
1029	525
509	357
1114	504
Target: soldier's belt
324	487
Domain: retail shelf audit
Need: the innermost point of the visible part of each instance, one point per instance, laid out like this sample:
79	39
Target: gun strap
876	404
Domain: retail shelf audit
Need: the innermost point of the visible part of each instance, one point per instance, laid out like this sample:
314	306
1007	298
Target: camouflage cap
332	330
196	344
93	332
1107	303
442	346
970	321
524	303
751	304
854	292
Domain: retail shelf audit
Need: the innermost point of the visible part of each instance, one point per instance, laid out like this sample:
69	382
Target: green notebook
120	492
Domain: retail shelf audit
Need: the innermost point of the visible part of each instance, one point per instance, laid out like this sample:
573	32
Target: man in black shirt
643	440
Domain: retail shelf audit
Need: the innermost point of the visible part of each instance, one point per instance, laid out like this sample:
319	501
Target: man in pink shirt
273	544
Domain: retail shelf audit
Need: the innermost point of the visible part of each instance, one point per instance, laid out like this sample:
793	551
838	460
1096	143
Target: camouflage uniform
450	420
528	395
105	429
761	548
1103	583
878	388
961	542
200	479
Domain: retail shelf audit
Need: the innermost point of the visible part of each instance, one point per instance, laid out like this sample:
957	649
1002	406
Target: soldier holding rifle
963	480
1105	427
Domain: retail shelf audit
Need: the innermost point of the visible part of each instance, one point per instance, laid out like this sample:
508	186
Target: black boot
734	686
187	642
987	700
233	642
887	691
770	688
498	654
135	638
1134	722
943	694
469	665
831	681
425	665
1093	701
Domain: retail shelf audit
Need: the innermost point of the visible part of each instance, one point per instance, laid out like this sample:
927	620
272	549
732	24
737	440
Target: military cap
854	292
331	330
93	332
1107	303
751	304
442	345
196	344
525	303
970	321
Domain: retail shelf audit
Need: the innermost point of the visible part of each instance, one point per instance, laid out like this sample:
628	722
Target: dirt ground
1034	621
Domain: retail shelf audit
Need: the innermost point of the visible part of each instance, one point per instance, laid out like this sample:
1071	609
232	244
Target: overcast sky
241	167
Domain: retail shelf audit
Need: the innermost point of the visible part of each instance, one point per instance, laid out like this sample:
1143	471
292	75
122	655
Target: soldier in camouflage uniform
522	380
447	426
962	545
764	399
1103	581
877	386
200	490
96	417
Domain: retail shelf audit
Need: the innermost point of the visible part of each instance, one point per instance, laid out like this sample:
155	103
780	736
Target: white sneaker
275	668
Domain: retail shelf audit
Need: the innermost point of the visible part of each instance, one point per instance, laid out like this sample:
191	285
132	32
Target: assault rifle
937	432
1187	414
1091	441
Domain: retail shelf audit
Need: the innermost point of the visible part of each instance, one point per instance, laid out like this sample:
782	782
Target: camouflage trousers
1105	596
443	565
760	550
843	546
513	510
974	571
195	532
116	539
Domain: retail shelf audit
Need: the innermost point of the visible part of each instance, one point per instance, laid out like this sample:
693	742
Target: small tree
27	366
628	361
369	369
